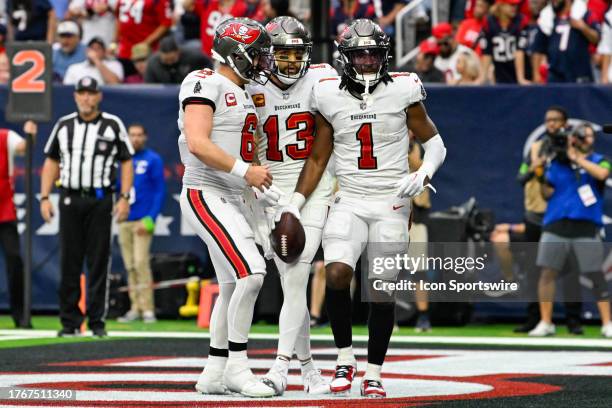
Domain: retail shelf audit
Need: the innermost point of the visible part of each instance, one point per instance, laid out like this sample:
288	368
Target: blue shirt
567	50
29	19
149	189
565	203
61	60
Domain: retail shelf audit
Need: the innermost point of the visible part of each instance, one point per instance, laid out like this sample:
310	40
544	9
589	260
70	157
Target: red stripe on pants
224	241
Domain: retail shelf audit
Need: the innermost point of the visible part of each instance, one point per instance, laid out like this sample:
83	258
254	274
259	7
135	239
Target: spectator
468	68
96	19
190	26
565	30
605	49
170	65
31	20
347	10
212	13
447	59
386	11
2	38
4	68
136	234
575	183
97	65
255	10
503	42
275	8
469	30
140	58
69	49
11	145
147	26
60	7
424	63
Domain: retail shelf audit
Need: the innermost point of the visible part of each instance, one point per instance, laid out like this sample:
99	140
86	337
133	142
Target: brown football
288	238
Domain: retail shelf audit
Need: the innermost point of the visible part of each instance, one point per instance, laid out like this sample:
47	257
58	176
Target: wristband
44	198
298	200
240	168
149	224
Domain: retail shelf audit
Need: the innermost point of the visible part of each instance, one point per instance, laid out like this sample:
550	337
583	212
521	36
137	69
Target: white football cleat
606	330
314	383
343	379
543	329
211	381
276	378
372	389
239	378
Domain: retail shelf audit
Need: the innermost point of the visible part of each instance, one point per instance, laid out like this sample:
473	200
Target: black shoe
574	327
66	332
525	328
99	332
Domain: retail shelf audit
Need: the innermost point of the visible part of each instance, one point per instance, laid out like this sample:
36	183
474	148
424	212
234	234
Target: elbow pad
435	152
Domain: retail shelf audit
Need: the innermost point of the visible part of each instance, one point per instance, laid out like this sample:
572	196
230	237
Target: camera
556	144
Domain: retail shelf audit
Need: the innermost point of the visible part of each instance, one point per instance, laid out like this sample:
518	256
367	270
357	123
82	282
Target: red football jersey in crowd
468	33
137	19
211	14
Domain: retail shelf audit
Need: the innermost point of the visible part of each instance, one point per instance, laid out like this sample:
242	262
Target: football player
218	122
363	119
286	128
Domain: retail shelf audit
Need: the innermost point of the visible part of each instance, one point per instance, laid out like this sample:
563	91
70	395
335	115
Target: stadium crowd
483	41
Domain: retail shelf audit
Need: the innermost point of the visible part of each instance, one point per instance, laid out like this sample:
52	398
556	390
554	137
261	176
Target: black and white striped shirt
88	151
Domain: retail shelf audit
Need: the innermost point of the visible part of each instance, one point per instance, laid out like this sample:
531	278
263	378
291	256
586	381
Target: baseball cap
429	47
442	30
97	40
168	44
68	28
87	83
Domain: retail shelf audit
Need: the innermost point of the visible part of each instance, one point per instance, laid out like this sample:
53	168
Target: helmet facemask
252	64
366	66
291	63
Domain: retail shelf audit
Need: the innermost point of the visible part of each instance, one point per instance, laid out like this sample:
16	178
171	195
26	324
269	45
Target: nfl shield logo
285	95
363	105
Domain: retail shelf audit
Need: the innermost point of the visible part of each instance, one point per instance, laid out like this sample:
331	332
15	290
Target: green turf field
478	330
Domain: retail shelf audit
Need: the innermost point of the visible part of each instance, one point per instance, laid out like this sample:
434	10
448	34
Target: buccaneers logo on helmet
240	33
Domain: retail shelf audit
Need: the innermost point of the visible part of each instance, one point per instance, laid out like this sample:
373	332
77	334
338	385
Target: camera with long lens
556	144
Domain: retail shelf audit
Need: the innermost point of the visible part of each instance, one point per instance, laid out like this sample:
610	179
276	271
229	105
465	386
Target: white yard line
457	340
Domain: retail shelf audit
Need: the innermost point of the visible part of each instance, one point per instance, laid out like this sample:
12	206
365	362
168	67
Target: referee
83	153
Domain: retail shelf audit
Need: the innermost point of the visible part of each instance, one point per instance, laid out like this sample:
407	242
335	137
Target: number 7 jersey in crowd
233	129
370	139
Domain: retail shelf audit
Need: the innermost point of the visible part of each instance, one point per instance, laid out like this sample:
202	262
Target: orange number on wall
30	80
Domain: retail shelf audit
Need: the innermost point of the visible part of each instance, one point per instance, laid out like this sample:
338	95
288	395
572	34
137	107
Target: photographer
531	176
575	182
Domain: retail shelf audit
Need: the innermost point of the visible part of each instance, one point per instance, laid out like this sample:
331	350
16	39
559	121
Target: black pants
85	231
9	240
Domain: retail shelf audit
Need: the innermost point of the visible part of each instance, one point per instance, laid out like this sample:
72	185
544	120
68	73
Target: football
288	238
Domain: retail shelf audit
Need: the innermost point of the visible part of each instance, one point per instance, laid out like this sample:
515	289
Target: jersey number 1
366	158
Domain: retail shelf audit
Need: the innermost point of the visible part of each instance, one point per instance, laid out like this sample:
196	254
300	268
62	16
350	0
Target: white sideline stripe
494	341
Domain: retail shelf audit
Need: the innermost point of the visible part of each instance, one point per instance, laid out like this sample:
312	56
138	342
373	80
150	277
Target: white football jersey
233	130
286	123
370	139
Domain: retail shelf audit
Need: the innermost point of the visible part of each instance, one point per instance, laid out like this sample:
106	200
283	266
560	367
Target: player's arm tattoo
319	156
420	123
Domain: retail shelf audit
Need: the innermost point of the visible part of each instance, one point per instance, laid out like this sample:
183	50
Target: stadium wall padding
484	128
